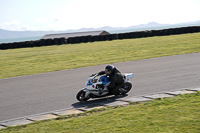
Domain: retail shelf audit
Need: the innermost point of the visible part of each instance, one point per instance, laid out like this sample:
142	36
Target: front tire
81	96
125	88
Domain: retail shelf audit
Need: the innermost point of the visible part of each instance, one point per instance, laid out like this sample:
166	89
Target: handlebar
94	75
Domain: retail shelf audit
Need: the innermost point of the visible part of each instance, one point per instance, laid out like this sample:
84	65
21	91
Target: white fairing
91	86
128	76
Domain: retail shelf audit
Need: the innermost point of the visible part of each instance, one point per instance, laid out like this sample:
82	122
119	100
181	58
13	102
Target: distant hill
5	34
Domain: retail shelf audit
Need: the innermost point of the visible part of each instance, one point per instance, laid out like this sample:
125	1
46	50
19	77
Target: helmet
109	69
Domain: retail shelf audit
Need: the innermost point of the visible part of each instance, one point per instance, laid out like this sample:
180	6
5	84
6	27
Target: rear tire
125	88
81	96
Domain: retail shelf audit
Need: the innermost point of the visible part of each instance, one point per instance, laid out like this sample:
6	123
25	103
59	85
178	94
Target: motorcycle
95	87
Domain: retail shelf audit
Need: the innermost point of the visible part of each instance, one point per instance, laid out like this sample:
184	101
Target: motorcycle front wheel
81	96
125	88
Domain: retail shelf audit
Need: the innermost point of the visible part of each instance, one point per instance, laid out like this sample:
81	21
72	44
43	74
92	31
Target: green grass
179	114
25	61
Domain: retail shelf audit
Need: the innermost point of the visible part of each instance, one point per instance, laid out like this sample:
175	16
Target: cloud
51	23
14	22
42	20
56	19
27	27
16	25
46	20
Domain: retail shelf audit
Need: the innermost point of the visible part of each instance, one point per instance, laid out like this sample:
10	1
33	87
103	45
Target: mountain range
6	34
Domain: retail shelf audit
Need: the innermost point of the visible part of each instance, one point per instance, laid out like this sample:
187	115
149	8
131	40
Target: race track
33	94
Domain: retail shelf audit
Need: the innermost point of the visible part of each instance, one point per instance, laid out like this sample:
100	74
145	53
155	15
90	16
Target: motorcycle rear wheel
125	88
81	96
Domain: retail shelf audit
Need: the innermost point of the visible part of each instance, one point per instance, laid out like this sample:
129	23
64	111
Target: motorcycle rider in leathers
116	79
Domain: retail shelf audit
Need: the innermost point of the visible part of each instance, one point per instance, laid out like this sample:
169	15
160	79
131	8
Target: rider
116	79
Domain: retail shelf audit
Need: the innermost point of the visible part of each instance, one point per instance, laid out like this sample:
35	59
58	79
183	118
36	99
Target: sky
44	15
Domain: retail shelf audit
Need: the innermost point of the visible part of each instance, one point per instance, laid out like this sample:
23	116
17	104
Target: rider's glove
101	73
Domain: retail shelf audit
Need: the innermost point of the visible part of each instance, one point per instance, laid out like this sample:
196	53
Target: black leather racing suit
116	81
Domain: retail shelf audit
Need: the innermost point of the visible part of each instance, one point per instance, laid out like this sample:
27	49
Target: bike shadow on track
97	102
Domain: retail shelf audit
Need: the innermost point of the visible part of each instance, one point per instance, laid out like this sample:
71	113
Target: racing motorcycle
95	87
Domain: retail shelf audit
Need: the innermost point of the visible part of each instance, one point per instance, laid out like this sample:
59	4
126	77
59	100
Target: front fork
87	93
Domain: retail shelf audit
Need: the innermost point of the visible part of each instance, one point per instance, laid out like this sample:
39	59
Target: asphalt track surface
38	93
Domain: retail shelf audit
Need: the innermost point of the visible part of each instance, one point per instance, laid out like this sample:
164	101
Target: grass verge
25	61
178	114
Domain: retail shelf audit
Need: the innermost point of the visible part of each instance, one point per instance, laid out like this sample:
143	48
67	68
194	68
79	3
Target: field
172	115
26	61
178	114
